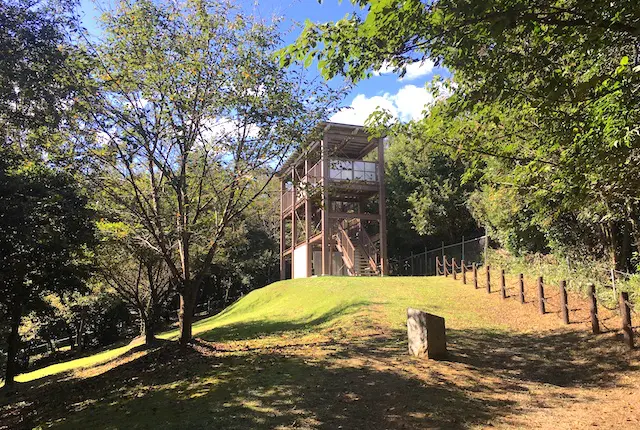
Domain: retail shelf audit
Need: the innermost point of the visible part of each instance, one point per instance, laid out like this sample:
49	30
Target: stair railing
348	250
370	250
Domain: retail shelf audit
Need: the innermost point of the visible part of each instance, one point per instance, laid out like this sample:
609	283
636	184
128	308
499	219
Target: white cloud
361	107
414	70
408	103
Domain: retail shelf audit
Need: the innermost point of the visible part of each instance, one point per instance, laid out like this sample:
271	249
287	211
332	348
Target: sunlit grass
308	306
91	360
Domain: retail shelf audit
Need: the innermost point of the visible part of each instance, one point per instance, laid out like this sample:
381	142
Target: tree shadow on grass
568	358
170	388
563	358
357	382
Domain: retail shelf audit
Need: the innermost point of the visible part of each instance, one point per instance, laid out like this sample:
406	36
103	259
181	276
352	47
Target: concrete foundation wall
300	262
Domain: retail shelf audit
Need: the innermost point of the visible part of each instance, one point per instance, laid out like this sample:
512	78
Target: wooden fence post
488	279
541	295
521	282
453	267
625	312
503	284
444	265
564	303
464	272
475	276
437	266
595	323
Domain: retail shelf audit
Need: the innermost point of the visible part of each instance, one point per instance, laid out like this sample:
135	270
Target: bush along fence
544	298
424	263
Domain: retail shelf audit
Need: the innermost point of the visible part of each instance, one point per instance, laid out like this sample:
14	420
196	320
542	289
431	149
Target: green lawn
304	305
331	353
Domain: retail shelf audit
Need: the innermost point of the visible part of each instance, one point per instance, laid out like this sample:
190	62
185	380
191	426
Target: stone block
426	333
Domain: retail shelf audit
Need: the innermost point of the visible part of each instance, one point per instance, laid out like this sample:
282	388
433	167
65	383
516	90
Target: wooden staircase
359	253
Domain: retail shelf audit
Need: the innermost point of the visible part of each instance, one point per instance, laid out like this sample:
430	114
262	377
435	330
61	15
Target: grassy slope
308	303
331	352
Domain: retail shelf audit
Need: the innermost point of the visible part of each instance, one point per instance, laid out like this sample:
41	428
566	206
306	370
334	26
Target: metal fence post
486	244
426	262
462	254
412	271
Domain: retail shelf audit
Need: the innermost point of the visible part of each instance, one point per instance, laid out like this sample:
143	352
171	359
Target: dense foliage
544	117
136	170
193	118
45	234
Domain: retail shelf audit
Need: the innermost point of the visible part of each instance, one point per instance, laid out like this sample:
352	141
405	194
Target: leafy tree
42	74
568	70
89	317
193	111
249	256
45	230
44	223
438	194
140	278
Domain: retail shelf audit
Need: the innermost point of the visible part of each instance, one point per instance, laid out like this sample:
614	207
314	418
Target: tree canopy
545	89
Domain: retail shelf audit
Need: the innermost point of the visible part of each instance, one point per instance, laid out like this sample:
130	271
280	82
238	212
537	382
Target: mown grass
331	353
304	305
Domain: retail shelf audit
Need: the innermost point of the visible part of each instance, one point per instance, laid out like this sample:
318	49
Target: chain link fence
424	264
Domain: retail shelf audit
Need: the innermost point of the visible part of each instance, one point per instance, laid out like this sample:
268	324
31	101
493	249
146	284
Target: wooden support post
444	265
595	323
503	285
564	303
464	272
382	211
488	279
307	219
294	223
521	283
282	231
326	240
453	268
541	295
475	276
625	312
437	266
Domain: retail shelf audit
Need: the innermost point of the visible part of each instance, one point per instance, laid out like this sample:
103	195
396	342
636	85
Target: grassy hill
330	353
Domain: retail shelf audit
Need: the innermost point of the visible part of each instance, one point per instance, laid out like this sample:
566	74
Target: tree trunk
72	343
13	344
149	325
185	313
80	335
149	334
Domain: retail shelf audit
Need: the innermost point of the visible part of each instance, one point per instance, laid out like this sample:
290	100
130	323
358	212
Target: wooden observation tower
332	207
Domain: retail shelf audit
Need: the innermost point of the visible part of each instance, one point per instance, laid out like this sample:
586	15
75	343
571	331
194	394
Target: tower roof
343	140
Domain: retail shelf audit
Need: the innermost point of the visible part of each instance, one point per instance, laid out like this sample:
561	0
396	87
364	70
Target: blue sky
405	98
